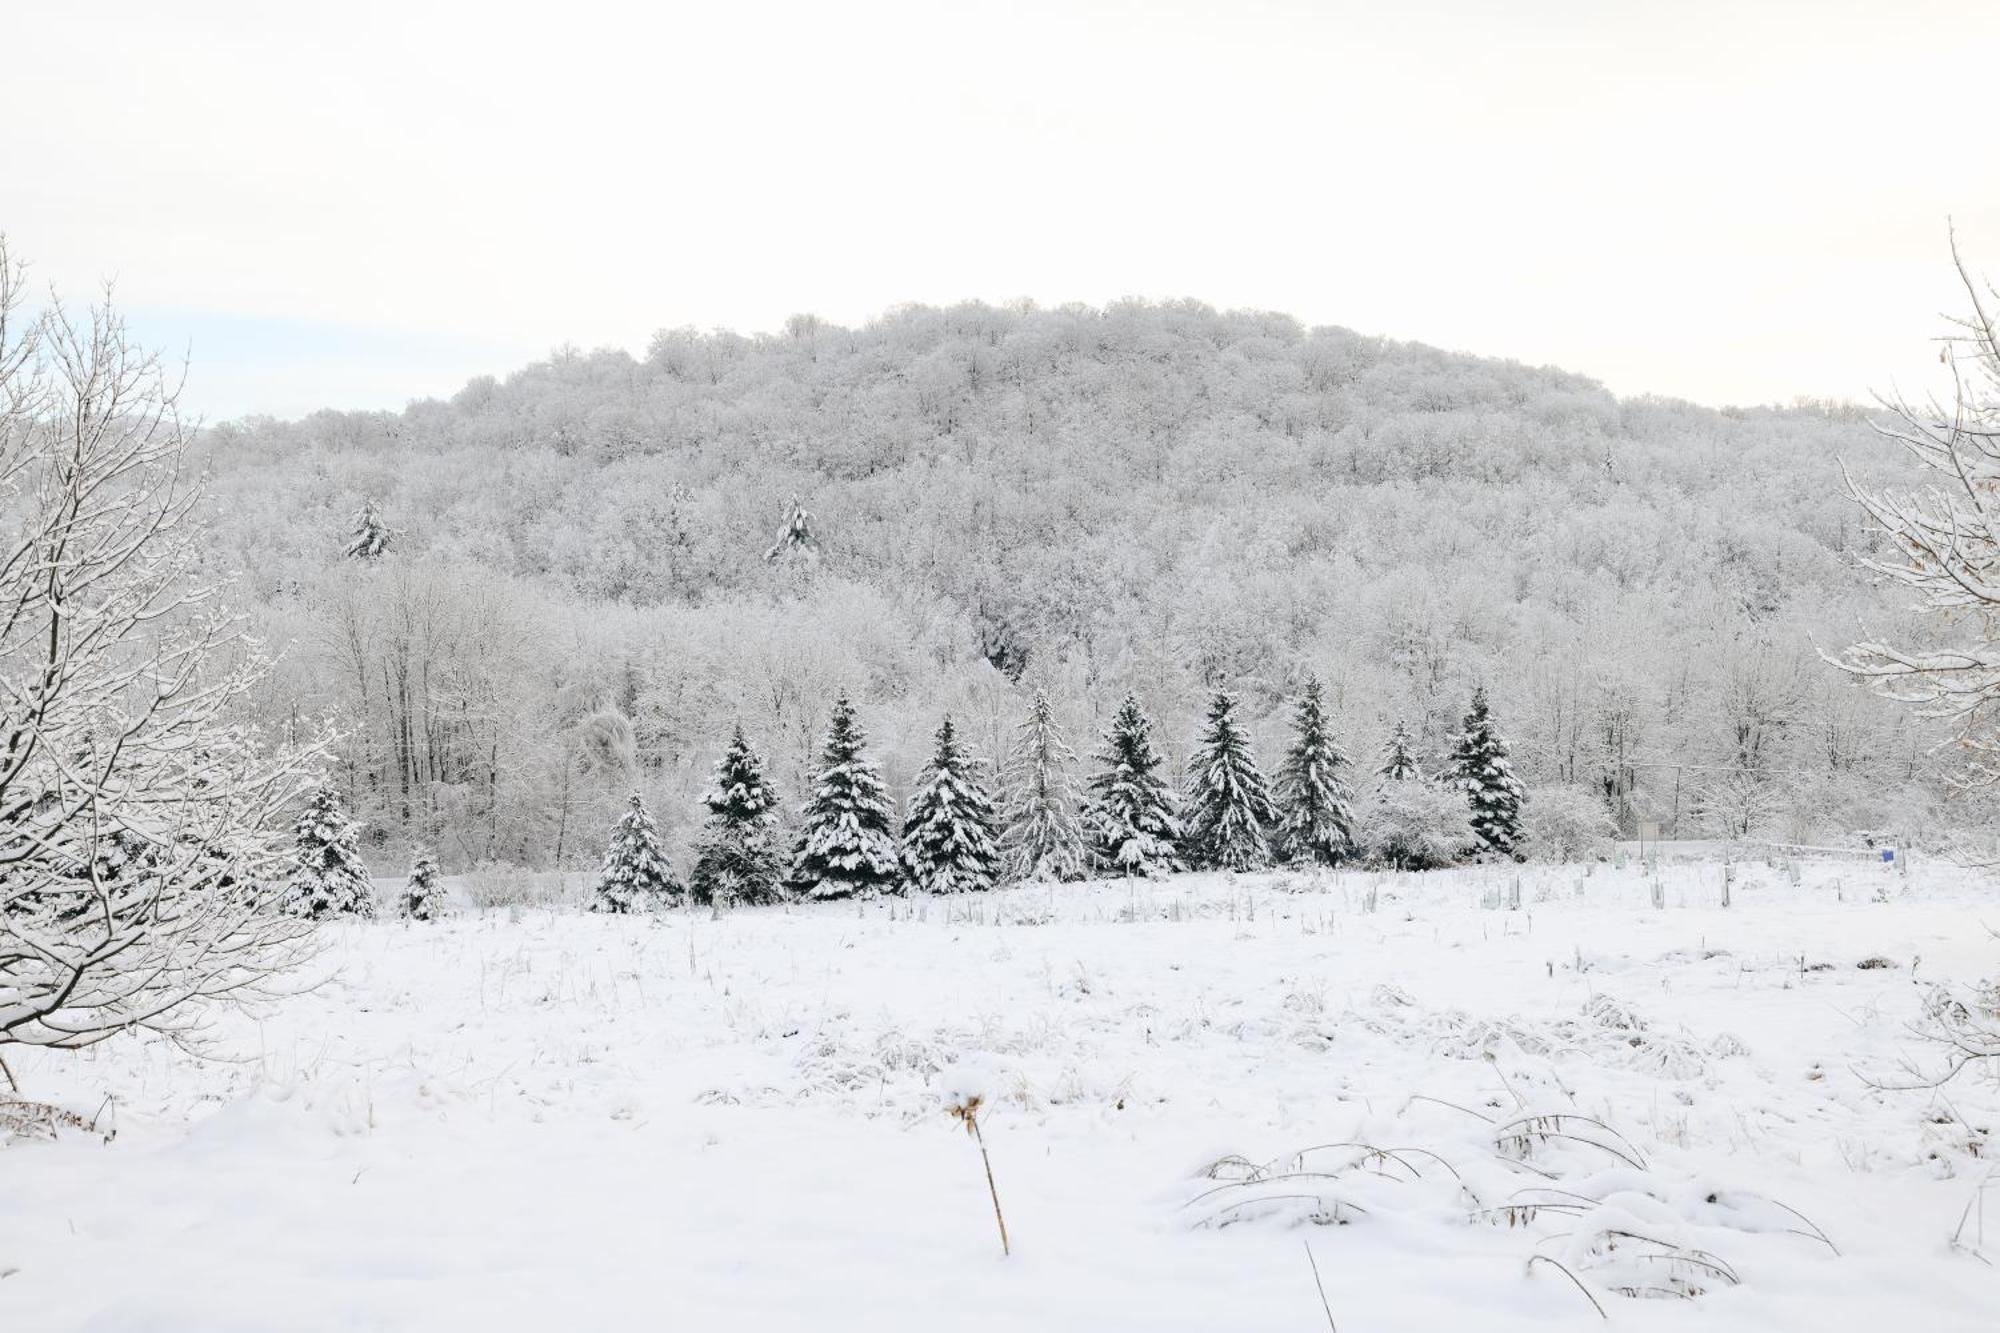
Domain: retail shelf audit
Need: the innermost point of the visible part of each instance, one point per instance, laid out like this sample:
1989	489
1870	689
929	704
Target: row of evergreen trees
1130	820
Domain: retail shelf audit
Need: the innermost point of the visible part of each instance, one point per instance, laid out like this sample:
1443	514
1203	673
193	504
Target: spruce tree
329	878
371	534
1130	825
1399	764
948	844
737	860
1479	766
423	896
846	849
1315	813
635	876
1229	810
1042	841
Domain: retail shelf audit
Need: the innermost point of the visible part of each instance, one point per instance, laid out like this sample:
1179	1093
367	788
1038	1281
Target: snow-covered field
546	1120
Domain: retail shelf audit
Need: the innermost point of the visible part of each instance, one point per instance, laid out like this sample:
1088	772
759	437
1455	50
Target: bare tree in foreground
142	836
1943	542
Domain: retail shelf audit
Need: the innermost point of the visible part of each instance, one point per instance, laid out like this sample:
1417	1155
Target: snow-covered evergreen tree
1315	810
1480	768
1131	825
1042	841
423	896
948	843
796	539
635	876
329	878
1229	810
737	858
371	534
846	849
1399	764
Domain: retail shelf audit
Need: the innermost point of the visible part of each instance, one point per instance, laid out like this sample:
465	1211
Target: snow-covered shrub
1568	823
1417	825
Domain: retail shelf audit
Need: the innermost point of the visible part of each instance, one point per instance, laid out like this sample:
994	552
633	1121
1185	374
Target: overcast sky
353	204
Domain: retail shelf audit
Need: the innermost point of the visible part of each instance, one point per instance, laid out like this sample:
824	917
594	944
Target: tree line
968	828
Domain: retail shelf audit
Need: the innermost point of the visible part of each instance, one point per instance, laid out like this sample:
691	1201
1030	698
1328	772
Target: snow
544	1120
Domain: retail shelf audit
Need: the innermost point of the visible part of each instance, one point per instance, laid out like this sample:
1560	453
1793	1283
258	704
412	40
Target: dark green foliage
1229	809
1131	825
1480	767
948	844
847	848
736	859
1315	811
636	876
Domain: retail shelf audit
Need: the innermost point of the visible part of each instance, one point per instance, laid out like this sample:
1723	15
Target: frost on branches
422	898
1315	812
328	878
736	858
1131	823
1415	824
948	844
1480	768
1229	807
635	876
1042	841
846	848
141	824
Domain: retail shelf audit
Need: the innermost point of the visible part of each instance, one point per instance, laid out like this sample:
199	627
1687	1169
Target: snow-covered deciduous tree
1415	824
1042	841
1481	769
142	842
1131	824
328	878
1399	762
636	875
1943	542
948	843
1567	823
422	898
736	858
1315	809
1229	813
371	535
846	848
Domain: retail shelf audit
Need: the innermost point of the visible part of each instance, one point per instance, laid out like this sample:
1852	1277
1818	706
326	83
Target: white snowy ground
557	1121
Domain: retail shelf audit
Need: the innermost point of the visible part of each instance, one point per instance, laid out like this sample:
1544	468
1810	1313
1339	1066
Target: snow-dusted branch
141	822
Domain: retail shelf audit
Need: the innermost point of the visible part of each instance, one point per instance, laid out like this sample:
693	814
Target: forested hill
576	598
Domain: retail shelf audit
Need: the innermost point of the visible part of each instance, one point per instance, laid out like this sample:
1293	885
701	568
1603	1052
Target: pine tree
737	860
1130	824
1229	810
796	539
948	844
1315	813
423	896
1042	841
371	534
1400	765
1479	766
329	879
635	876
846	849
